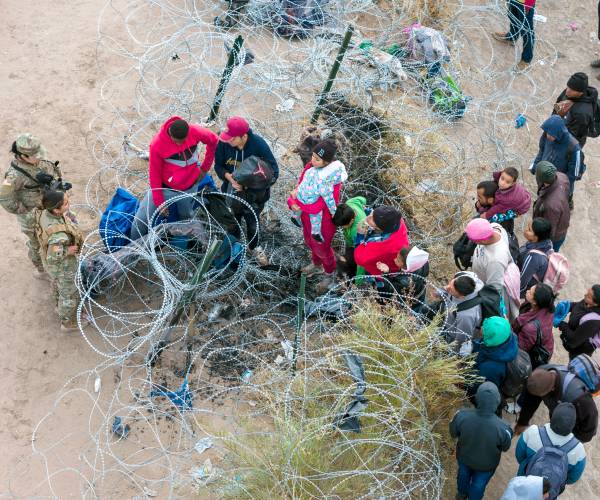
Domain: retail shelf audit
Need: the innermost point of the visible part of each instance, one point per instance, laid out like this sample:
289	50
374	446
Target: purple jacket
515	198
553	204
526	330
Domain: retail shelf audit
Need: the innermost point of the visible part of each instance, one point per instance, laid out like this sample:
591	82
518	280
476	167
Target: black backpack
594	126
254	173
513	245
489	299
517	373
463	251
538	354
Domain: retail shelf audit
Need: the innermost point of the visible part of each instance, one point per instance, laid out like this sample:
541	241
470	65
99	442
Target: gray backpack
551	461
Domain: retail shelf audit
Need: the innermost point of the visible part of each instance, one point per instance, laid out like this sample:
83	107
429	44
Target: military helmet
30	145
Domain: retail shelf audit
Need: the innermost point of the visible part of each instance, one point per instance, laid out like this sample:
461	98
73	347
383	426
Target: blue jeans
521	25
472	482
556	244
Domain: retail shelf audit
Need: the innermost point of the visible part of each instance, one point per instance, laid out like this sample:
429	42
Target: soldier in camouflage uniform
60	241
21	194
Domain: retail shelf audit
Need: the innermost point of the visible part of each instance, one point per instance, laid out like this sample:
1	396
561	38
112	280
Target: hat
236	127
415	259
479	229
545	173
578	82
179	129
496	331
325	150
387	219
563	419
540	382
29	145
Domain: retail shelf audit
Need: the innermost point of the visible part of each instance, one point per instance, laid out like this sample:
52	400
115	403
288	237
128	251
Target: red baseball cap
236	127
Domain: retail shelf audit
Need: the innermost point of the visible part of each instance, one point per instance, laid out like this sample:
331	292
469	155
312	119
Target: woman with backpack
533	256
581	333
533	326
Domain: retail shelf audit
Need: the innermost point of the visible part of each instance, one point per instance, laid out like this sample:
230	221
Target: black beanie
179	129
578	82
387	219
563	419
325	150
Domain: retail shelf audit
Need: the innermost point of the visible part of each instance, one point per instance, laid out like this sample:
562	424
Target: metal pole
299	319
231	62
332	74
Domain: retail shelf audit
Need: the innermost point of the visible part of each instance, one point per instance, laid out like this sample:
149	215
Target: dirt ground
50	86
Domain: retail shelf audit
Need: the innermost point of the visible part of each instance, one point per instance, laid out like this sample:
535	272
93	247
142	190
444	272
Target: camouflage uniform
20	195
55	234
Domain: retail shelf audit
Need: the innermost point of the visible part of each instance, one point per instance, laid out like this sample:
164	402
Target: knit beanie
540	382
387	219
479	229
563	419
496	331
578	82
179	129
325	150
545	173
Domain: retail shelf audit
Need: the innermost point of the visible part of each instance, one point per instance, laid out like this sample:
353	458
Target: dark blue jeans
472	482
521	25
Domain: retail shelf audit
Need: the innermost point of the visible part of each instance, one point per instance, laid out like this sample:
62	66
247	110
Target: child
318	182
347	216
509	196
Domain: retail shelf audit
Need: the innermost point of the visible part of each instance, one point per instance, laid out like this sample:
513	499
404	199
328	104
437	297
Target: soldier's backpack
489	299
517	372
557	272
551	462
463	250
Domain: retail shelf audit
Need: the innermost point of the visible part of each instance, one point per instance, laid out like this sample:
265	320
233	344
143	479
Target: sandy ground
50	86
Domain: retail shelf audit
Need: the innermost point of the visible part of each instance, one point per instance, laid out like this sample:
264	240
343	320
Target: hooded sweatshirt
369	252
553	204
563	152
177	166
581	113
524	488
482	435
491	361
357	204
576	335
533	263
526	329
515	198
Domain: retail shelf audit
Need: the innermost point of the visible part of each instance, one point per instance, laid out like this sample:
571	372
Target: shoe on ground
73	326
296	222
318	238
595	63
522	66
311	270
260	256
41	275
501	37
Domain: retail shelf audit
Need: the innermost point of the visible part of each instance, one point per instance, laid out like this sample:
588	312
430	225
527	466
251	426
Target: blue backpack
117	219
551	461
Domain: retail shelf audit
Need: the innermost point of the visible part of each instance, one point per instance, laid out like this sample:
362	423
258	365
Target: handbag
538	354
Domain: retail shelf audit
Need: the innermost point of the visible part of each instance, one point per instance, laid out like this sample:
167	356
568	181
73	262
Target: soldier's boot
72	325
40	274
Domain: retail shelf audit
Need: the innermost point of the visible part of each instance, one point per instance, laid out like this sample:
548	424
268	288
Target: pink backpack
557	273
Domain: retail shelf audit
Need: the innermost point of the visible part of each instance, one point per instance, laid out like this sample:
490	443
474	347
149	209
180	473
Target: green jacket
357	204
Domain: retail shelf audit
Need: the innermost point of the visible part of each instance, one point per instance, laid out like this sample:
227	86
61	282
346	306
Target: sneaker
260	256
317	237
295	221
595	63
522	66
41	275
311	270
501	37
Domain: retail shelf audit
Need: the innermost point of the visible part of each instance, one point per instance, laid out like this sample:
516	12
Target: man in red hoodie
175	167
379	238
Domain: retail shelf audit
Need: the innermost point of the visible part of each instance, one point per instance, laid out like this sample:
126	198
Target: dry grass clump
294	451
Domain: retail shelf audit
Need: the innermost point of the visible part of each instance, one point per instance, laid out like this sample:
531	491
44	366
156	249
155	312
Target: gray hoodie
482	435
462	325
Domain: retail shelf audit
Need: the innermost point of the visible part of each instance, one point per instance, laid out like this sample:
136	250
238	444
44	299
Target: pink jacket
515	198
319	205
176	165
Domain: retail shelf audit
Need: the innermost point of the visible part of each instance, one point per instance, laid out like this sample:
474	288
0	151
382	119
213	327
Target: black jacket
576	337
587	413
406	284
581	114
482	435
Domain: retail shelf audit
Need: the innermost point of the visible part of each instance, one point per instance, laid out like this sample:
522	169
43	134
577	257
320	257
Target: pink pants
322	253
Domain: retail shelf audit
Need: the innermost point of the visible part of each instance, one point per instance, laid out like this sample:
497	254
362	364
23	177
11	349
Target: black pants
348	267
251	217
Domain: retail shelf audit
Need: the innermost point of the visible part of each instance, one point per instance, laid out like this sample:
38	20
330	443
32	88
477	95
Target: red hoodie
176	165
369	254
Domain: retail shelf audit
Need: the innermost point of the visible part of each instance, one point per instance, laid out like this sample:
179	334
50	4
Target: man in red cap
238	142
175	167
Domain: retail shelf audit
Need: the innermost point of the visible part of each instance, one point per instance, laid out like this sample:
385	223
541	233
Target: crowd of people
501	309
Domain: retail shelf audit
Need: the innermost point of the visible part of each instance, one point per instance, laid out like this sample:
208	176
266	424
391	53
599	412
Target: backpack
538	354
552	462
512	284
117	219
513	245
557	272
517	373
489	299
587	370
254	173
593	316
594	126
463	250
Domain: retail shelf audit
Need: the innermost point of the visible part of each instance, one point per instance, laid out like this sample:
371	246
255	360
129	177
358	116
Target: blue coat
491	361
533	265
564	152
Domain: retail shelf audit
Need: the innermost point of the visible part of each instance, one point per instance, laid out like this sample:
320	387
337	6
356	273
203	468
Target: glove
44	178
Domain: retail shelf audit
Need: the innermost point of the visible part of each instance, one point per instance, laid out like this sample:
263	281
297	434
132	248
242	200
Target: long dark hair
544	297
